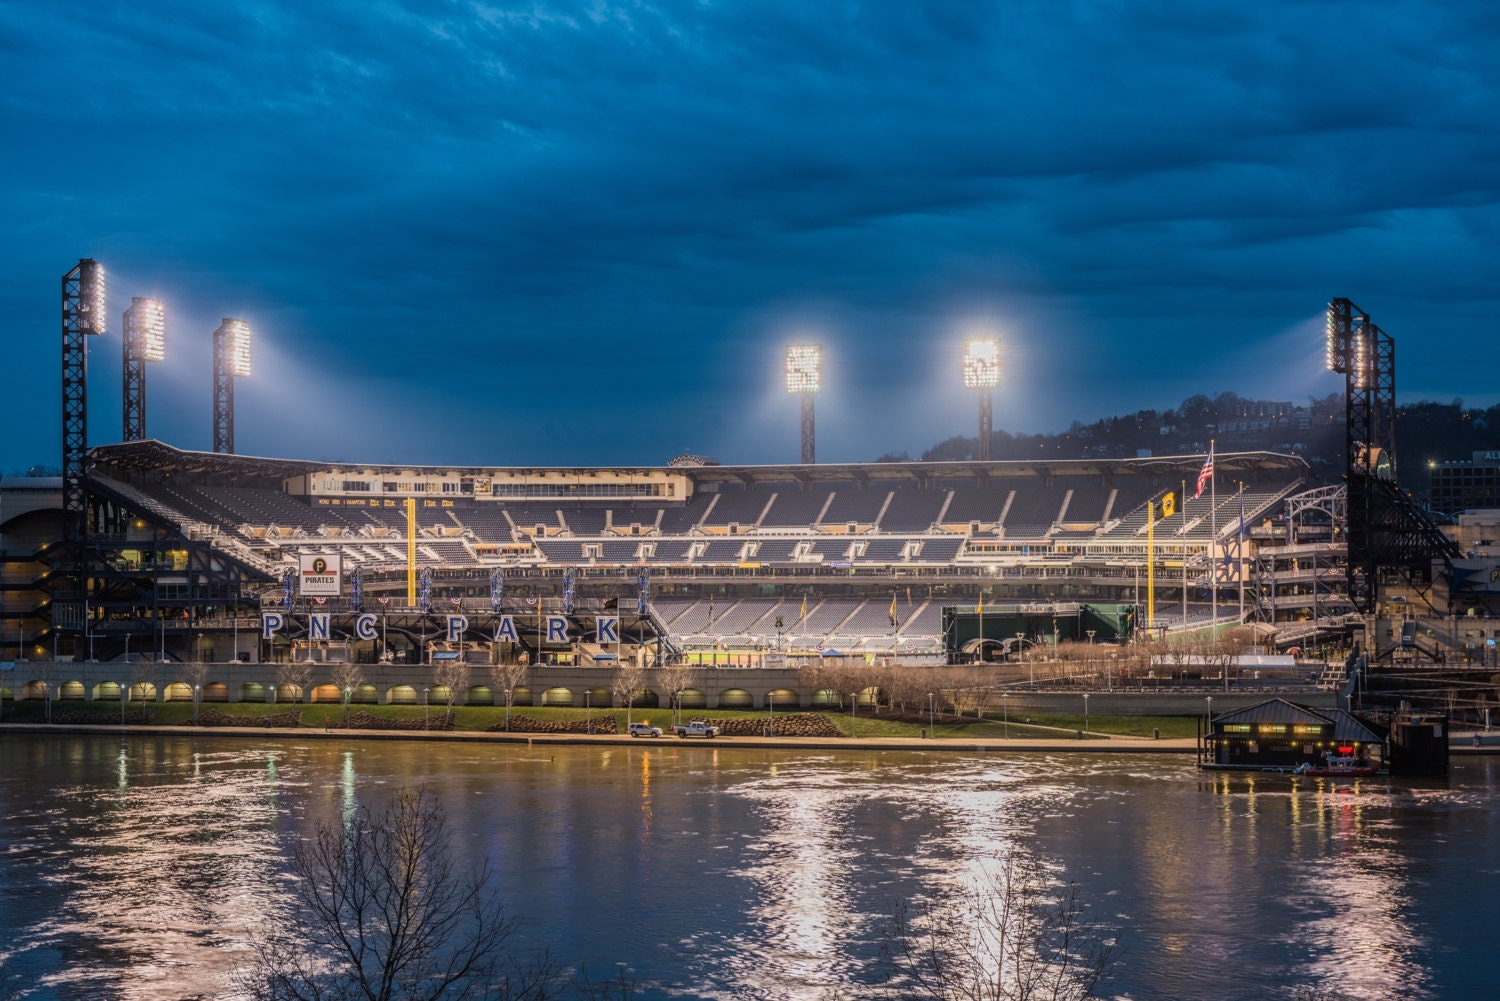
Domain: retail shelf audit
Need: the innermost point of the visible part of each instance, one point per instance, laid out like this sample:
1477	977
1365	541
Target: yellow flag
1168	505
803	614
981	604
893	609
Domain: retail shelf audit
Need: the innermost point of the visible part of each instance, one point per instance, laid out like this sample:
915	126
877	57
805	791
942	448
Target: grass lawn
483	717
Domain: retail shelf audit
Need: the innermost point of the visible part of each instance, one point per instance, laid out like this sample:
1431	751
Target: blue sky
555	235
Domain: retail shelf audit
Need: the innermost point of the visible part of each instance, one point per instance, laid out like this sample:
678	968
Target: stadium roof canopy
154	456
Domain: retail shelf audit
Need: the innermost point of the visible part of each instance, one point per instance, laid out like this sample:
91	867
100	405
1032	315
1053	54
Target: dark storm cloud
548	233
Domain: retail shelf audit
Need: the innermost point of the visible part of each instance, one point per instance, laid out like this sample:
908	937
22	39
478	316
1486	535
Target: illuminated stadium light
982	372
981	364
1361	364
804	363
92	310
144	341
150	326
1331	352
238	332
231	360
804	375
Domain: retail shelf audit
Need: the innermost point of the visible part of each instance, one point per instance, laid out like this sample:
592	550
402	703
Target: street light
348	692
425	720
931	726
1005	708
588	713
1085	712
197	694
853	703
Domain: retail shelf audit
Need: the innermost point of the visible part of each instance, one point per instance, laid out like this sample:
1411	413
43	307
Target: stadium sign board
321	576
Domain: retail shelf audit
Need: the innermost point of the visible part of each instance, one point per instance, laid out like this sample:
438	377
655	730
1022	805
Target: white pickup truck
697	728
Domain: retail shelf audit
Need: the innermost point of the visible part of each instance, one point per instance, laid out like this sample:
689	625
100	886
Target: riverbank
1091	742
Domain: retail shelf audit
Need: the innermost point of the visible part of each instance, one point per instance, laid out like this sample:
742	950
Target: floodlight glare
150	322
804	364
981	364
1331	345
238	332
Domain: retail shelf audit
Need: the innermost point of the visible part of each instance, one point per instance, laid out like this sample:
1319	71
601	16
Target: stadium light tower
804	367
982	372
231	359
144	340
83	315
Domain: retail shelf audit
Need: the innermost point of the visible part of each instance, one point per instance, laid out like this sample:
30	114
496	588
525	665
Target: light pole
931	707
197	693
348	692
1109	674
853	703
1208	726
425	719
124	698
1005	708
588	713
1085	712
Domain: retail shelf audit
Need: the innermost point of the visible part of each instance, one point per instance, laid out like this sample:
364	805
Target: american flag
1206	474
457	602
531	601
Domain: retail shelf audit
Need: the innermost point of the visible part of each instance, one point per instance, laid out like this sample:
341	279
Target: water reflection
136	869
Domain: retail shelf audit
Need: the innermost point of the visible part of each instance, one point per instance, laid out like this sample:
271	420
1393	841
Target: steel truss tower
83	314
1387	530
231	358
809	432
142	342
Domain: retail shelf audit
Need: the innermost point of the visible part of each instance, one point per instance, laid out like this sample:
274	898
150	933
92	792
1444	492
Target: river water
137	867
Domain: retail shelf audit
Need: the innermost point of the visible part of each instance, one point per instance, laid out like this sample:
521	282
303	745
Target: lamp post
124	698
931	707
1209	725
771	704
348	692
197	694
1085	712
588	713
1005	708
853	704
425	719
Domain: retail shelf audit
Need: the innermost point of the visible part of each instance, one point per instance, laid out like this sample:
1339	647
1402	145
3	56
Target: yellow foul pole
411	552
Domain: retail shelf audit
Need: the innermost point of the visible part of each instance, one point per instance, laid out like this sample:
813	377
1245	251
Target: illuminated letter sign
457	625
269	623
364	626
607	629
505	630
317	625
320	575
557	629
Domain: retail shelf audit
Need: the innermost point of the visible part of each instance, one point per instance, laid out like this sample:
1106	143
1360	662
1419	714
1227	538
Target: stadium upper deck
769	518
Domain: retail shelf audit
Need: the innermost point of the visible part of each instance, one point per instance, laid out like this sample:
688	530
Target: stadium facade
189	552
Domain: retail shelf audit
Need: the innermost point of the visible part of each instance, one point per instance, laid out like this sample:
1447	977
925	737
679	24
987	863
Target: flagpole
1213	539
1182	538
1239	554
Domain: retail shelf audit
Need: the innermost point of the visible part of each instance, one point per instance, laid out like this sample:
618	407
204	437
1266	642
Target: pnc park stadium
204	574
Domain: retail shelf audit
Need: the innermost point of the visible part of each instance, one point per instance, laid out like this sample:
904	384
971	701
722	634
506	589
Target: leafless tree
454	676
296	674
382	910
347	676
1013	936
508	677
197	675
626	684
674	679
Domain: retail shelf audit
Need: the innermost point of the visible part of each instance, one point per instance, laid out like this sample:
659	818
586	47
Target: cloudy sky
573	234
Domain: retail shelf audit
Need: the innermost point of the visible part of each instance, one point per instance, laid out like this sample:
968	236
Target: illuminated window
1273	728
1237	728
